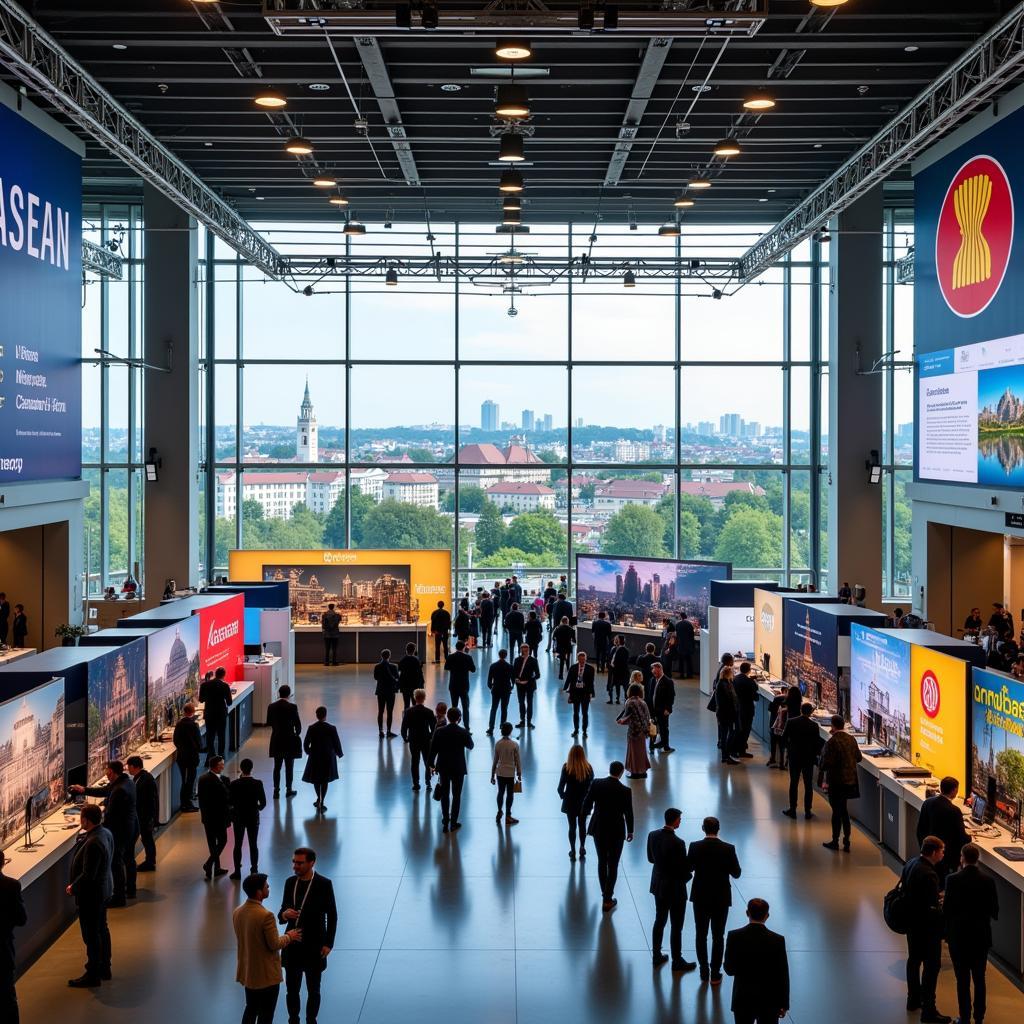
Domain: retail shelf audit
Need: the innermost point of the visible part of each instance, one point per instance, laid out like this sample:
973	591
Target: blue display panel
40	295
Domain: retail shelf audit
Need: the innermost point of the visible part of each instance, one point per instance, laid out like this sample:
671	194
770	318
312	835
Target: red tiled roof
707	489
485	454
519	488
517	455
630	489
410	478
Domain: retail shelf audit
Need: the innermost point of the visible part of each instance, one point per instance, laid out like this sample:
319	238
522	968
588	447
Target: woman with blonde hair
636	717
573	786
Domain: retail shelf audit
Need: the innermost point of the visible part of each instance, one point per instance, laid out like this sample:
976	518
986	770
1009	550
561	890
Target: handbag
517	787
652	730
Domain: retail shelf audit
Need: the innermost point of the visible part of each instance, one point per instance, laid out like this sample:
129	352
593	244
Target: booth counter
637	638
9	657
360	644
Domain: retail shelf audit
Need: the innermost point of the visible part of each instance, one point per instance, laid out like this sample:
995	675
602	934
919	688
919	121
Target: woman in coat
461	626
323	748
636	717
573	786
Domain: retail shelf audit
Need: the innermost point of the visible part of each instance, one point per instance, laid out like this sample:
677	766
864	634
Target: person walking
441	630
417	729
670	872
91	883
410	675
573	786
746	697
307	904
285	739
147	810
601	630
534	632
579	685
448	759
499	682
686	641
756	959
940	816
970	906
713	863
618	669
837	769
562	608
386	678
323	748
12	915
259	944
248	798
777	722
922	901
461	624
515	626
215	696
525	672
459	665
215	812
506	772
609	806
803	741
188	744
564	639
330	626
726	708
663	697
486	619
636	717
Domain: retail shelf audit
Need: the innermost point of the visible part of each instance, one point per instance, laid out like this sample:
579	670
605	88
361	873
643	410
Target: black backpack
894	909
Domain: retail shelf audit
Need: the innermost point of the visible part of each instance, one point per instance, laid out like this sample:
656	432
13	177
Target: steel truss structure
993	62
40	62
102	261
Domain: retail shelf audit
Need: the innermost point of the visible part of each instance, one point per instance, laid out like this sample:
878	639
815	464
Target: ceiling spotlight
822	236
827	3
324	182
511	149
727	147
669	231
271	99
511	217
298	146
698	183
451	87
119	46
629	279
683	203
511	202
353	227
511	181
391	278
511	104
759	101
513	50
338	201
319	87
308	290
428	15
911	48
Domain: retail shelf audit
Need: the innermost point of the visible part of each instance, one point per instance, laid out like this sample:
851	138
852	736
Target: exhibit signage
735	631
880	687
221	637
997	740
938	712
768	631
811	656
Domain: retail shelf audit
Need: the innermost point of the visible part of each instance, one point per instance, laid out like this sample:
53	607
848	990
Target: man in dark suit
663	697
921	894
308	905
755	958
330	626
499	682
448	748
618	668
515	591
122	822
515	626
970	906
669	875
215	811
215	696
610	823
486	619
942	817
441	628
5	617
562	608
525	673
188	743
579	685
802	738
417	728
410	675
601	629
746	697
147	809
686	642
12	915
91	885
386	678
285	739
534	634
713	862
459	665
248	798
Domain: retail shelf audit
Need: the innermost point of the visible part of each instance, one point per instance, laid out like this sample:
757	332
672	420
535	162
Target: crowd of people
13	624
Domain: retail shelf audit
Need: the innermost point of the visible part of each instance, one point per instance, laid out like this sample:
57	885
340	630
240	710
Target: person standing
215	811
573	786
330	626
579	685
970	906
441	630
506	771
636	718
307	904
609	805
91	884
188	744
515	591
727	713
618	669
19	626
601	629
746	697
147	810
417	729
562	608
713	863
940	816
644	663
248	798
285	739
686	642
670	872
259	951
323	748
5	618
837	768
534	633
499	682
564	639
923	905
663	697
803	741
448	759
410	675
777	722
215	696
459	665
12	915
461	624
515	626
525	672
756	959
486	619
386	678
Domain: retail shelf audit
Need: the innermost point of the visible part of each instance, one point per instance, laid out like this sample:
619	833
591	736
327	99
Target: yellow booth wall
768	630
938	712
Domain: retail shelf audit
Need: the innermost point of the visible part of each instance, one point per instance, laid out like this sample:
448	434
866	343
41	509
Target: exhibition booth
730	628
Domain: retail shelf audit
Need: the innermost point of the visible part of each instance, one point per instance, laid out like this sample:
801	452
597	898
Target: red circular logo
930	693
975	236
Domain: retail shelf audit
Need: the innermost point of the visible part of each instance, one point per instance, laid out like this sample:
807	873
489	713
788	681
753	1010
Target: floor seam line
384	934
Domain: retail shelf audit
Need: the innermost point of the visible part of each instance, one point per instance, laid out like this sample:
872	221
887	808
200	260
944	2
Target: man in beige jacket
259	951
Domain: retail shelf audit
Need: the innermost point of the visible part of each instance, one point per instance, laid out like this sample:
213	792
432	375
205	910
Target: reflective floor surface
494	925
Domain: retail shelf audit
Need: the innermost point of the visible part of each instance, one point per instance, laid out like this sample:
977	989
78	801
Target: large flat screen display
880	687
938	712
811	654
646	591
117	705
41	298
997	740
172	660
31	757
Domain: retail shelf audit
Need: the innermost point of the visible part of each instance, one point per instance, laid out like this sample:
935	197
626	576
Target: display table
14	654
266	677
359	644
637	638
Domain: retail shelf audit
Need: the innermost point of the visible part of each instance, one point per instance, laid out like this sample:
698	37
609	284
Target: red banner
221	639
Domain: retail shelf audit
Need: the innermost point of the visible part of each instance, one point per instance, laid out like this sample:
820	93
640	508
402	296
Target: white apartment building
522	497
412	489
613	495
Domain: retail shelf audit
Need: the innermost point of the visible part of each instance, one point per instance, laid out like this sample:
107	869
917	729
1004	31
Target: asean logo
974	237
930	693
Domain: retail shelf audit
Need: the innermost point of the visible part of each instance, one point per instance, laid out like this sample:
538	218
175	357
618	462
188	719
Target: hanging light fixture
271	99
759	101
298	146
353	227
513	49
511	148
338	201
684	203
511	181
511	256
512	103
828	3
698	183
669	231
512	202
511	218
727	147
391	278
322	181
629	279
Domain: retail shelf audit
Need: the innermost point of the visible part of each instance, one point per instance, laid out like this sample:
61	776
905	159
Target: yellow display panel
938	712
768	630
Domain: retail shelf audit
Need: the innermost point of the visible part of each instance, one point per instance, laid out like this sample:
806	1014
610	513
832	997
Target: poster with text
880	687
811	654
768	631
938	712
221	638
997	740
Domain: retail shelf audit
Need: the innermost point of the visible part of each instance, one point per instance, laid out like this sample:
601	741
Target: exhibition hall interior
511	511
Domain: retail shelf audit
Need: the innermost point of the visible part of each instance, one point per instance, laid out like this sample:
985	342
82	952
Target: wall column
855	401
171	399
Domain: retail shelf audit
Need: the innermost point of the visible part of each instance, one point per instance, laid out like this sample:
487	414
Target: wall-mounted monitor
116	723
172	672
880	687
997	741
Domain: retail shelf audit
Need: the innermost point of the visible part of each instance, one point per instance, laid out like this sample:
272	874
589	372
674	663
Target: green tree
420	454
490	530
707	519
361	506
636	531
334	525
587	492
394	524
751	538
507	556
537	533
689	535
1010	770
471	499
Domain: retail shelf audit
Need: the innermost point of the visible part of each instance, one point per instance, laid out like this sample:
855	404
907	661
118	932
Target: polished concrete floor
492	925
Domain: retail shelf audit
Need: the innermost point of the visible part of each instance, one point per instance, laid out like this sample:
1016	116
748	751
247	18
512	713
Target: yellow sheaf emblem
973	263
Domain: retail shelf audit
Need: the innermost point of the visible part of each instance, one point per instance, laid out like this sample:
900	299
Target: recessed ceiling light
208	144
817	145
727	147
119	46
271	99
700	89
512	103
338	201
322	181
699	183
513	50
298	146
511	149
319	87
911	49
762	200
684	202
759	101
260	198
451	87
770	191
827	3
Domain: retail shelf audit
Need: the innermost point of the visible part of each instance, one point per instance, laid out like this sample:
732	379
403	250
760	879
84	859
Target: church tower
305	434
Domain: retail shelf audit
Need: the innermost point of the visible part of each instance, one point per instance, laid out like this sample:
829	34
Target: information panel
41	299
997	741
938	712
221	637
880	687
768	631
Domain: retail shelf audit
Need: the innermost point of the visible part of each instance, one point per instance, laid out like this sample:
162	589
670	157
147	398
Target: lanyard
305	895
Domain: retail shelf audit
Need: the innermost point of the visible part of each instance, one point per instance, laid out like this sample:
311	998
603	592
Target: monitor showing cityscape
880	687
645	591
117	705
173	672
997	742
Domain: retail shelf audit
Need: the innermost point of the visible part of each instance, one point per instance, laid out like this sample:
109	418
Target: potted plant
69	634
